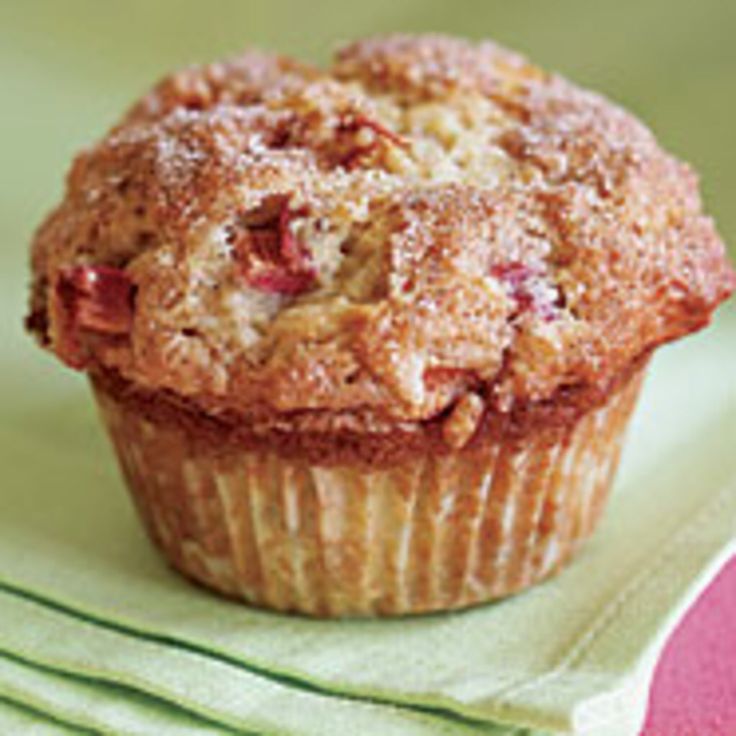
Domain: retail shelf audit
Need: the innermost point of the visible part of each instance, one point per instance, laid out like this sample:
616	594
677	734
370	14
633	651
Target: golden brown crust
329	439
240	82
434	66
429	220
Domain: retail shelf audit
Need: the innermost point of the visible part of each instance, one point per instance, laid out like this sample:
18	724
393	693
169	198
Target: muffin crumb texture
427	228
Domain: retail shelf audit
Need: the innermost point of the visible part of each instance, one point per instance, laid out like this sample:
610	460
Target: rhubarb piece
271	257
352	125
279	281
95	299
522	282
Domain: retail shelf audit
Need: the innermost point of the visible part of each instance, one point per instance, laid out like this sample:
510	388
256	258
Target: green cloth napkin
136	679
91	706
96	631
19	719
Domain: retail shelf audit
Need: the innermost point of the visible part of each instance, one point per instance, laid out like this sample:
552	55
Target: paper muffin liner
436	532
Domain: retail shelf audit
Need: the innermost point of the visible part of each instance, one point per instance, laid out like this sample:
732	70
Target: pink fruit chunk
92	299
524	286
271	257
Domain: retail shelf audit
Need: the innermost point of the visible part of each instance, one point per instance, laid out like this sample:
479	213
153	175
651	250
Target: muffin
366	340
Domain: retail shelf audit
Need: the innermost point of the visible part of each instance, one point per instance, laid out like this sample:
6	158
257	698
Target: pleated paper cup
435	532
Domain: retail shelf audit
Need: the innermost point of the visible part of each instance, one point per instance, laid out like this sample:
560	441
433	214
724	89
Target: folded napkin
97	633
17	719
142	686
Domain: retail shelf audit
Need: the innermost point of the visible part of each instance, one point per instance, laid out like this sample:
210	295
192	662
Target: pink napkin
694	688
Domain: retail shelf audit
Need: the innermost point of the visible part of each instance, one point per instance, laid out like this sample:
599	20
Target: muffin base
433	532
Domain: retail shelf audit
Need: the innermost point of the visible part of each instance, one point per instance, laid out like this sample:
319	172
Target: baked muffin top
429	223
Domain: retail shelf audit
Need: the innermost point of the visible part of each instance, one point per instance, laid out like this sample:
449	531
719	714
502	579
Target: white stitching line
604	618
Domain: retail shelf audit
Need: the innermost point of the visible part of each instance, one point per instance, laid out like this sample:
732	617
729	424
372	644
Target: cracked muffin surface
429	226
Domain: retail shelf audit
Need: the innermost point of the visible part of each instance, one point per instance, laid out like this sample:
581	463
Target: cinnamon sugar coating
429	219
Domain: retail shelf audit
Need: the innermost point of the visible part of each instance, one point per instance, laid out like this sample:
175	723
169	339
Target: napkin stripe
131	630
92	705
51	724
435	719
33	703
76	676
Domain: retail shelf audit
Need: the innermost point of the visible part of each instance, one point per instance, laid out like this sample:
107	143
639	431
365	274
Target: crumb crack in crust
427	220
